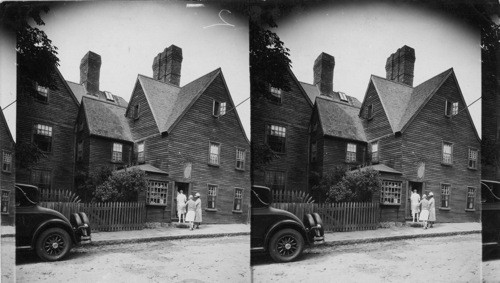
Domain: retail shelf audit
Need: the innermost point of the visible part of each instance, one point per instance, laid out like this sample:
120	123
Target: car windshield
26	196
261	197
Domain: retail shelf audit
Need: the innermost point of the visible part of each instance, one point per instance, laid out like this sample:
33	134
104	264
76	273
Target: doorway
179	186
419	187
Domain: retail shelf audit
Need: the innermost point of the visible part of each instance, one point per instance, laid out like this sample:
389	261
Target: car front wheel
286	245
53	244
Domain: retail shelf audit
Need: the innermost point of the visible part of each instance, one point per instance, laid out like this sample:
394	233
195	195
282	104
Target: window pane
157	193
276	138
117	152
214	153
240	159
445	195
212	196
447	153
275	180
390	192
238	196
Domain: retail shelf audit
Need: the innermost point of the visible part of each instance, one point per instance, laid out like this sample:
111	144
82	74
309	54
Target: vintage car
278	232
44	230
490	217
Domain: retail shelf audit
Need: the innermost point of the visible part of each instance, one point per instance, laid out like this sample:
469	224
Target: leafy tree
322	185
88	182
121	186
27	154
355	186
37	59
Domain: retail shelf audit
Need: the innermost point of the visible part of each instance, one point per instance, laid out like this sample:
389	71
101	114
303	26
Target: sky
362	36
128	35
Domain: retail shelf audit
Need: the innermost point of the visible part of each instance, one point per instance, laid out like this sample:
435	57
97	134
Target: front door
419	187
179	186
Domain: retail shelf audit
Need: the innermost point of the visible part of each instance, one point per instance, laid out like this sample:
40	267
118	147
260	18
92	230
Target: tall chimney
167	65
323	73
90	68
400	65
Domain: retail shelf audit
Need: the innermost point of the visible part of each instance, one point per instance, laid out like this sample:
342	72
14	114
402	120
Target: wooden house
425	135
7	173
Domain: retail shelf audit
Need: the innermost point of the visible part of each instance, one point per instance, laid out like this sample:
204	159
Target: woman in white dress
432	210
197	216
191	207
424	213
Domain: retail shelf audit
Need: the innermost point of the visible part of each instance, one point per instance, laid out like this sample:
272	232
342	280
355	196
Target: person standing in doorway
191	211
432	210
181	206
424	213
414	201
197	217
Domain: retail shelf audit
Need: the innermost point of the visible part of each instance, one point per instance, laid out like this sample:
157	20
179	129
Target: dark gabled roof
4	121
380	168
339	119
144	167
168	102
79	92
402	102
106	119
312	92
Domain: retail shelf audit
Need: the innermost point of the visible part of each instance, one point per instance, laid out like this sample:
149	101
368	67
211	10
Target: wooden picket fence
288	196
52	195
112	216
338	217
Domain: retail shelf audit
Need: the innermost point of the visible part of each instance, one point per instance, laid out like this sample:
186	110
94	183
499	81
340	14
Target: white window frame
276	93
238	200
214	157
42	94
375	153
109	96
445	159
6	161
212	197
342	96
240	158
277	133
351	151
454	108
219	108
391	192
472	159
40	131
157	193
117	152
471	193
141	154
445	196
5	201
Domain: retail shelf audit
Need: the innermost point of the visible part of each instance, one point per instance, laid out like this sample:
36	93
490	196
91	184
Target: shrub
121	186
355	186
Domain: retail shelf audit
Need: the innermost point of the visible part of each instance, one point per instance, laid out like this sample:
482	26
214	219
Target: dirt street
196	260
440	259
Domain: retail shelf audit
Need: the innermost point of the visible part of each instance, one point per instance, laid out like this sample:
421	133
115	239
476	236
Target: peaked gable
4	124
339	119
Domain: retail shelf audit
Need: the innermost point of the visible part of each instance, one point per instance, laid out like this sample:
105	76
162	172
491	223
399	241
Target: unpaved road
440	259
195	260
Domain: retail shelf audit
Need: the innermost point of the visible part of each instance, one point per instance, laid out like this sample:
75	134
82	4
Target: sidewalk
225	230
400	233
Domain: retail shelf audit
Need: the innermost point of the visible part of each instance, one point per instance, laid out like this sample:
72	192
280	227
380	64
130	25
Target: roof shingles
106	119
340	120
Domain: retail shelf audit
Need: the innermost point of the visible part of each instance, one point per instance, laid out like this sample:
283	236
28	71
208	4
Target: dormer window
451	108
42	94
342	96
275	94
219	108
109	96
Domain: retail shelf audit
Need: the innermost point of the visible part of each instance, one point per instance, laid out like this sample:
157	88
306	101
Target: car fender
50	224
283	224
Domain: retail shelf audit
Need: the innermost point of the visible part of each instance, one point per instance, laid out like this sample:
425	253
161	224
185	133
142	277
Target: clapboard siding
379	125
294	113
60	112
422	142
188	142
145	125
101	152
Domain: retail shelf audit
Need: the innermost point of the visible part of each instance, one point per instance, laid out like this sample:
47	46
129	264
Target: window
41	179
390	192
276	94
136	111
42	137
79	151
238	197
471	197
240	159
369	111
447	153
314	151
212	196
7	162
342	96
472	158
276	138
157	193
109	96
117	152
451	108
445	195
351	152
219	108
375	152
5	201
42	94
214	153
275	180
140	152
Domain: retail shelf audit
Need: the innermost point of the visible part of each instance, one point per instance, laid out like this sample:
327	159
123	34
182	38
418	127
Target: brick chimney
400	65
323	73
90	68
167	65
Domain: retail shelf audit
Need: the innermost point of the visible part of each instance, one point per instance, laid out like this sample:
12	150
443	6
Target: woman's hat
431	194
197	195
424	196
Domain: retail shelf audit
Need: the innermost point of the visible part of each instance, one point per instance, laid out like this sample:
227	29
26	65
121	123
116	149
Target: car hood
271	211
47	211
